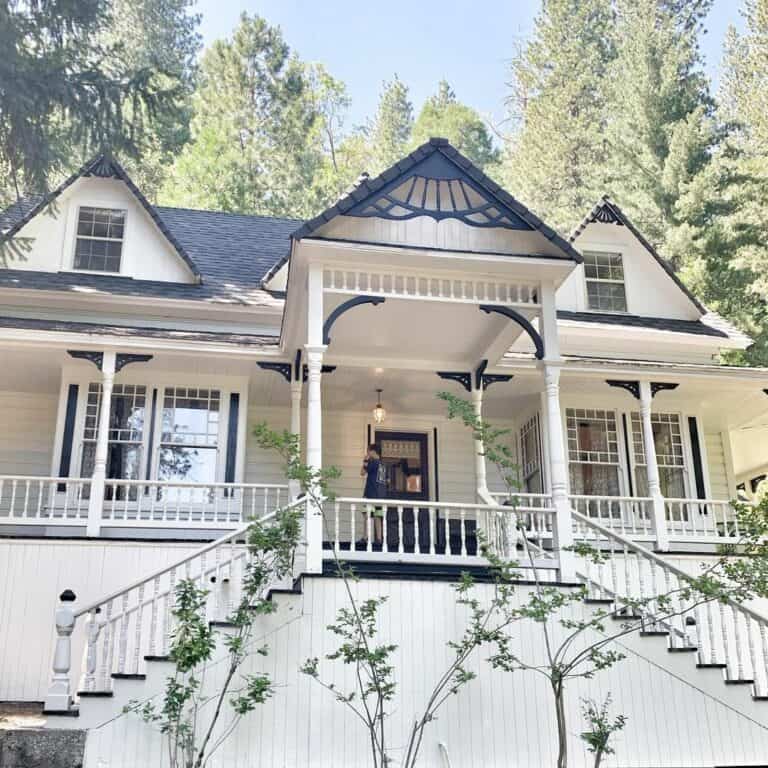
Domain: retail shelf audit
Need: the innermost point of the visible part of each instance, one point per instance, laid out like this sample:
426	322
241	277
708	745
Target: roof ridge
263	217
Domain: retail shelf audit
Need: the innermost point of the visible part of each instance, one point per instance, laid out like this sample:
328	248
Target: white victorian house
141	344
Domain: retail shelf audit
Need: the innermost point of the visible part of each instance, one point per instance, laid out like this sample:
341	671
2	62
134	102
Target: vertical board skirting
234	417
69	433
698	465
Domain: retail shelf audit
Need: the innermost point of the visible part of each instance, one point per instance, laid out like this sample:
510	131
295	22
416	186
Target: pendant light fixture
379	414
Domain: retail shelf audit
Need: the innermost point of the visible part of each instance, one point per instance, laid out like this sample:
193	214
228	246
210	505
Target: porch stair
720	649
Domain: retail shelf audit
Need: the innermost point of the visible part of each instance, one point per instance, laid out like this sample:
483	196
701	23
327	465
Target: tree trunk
598	757
562	734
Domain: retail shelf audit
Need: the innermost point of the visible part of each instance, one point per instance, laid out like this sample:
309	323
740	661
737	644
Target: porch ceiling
423	333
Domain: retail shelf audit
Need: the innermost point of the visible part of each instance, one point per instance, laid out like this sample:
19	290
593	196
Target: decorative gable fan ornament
379	414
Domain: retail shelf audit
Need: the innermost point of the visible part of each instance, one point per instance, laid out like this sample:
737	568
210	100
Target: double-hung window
670	454
604	273
127	430
593	452
99	241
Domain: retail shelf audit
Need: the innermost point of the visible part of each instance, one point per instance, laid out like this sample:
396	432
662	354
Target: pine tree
443	115
555	159
389	132
255	133
64	90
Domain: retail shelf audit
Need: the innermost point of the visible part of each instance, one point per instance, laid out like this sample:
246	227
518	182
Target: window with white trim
593	452
99	240
189	441
604	273
127	420
530	450
670	454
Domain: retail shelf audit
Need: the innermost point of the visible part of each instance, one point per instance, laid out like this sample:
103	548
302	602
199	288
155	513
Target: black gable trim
105	166
695	327
369	187
607	212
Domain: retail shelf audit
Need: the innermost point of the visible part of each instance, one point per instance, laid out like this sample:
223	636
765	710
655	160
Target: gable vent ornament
379	414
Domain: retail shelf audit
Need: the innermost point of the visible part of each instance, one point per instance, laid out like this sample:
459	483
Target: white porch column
315	349
558	465
293	485
481	475
96	499
652	469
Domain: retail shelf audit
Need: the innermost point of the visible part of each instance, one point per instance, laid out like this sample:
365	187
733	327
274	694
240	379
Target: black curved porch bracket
522	321
345	307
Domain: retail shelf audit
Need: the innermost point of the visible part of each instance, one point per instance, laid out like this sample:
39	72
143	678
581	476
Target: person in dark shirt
374	472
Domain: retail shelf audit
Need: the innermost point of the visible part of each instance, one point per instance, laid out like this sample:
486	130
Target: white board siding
34	572
26	438
499	719
718	471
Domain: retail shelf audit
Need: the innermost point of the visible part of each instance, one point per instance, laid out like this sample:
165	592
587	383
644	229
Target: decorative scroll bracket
122	360
633	387
522	321
484	380
284	369
97	358
323	369
464	378
345	307
661	386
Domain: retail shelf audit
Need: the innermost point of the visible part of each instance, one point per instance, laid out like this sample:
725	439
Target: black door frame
423	438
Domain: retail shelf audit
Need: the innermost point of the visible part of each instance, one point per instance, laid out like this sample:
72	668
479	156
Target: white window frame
622	282
529	468
75	236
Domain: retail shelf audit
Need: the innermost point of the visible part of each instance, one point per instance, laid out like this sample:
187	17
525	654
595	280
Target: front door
404	454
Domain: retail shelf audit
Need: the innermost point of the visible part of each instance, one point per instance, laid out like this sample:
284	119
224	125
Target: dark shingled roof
232	252
168	334
695	327
607	212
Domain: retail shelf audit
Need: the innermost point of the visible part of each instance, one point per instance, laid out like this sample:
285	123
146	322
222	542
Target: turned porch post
59	696
315	349
652	469
98	479
558	465
481	475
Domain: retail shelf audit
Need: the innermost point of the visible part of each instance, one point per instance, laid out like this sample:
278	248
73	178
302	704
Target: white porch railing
203	505
697	519
423	531
121	629
629	515
725	633
26	500
136	503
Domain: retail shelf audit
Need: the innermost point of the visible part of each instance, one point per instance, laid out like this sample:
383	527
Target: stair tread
157	658
715	665
95	694
71	712
739	682
683	649
128	676
654	632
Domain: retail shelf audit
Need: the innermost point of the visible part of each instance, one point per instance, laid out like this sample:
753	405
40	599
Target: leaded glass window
593	452
530	449
605	282
670	454
99	242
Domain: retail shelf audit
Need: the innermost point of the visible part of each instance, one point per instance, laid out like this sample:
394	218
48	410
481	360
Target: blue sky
468	43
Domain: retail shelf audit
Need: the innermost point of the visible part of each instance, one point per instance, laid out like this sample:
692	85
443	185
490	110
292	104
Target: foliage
442	115
579	644
357	628
189	714
602	727
389	132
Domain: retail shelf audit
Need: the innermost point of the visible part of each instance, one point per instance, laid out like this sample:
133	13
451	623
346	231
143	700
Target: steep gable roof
472	196
607	212
103	166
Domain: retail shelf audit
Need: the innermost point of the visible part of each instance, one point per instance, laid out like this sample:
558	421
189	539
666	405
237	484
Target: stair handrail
650	555
239	532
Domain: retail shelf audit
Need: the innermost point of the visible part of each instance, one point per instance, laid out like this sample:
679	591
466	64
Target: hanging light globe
379	414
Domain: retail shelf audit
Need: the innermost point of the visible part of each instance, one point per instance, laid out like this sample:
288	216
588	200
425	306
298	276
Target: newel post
59	696
98	479
652	469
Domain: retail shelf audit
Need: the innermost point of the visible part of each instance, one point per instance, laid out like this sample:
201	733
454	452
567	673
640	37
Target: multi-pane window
593	452
670	455
99	241
605	282
127	418
530	449
189	442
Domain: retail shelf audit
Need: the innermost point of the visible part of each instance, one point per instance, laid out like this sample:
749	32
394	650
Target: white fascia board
651	368
22	337
353	254
612	331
